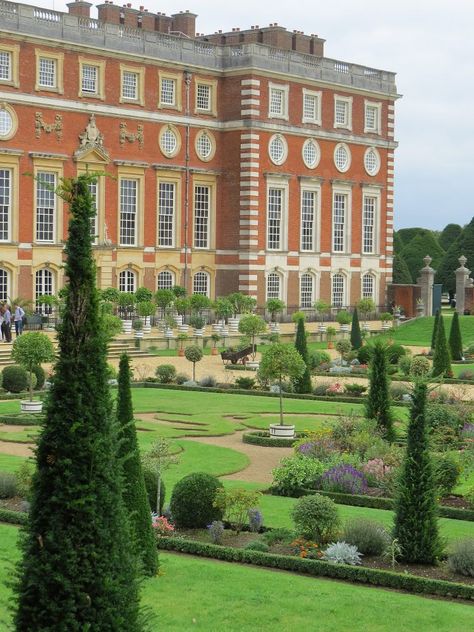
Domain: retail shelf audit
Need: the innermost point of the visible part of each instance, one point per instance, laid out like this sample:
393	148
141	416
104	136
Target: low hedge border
13	517
380	502
241	391
320	568
22	419
263	439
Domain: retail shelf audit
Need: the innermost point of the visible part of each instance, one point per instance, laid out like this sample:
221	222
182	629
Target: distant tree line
444	247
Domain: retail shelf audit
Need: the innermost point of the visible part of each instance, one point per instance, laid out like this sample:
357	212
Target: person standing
7	323
2	330
18	319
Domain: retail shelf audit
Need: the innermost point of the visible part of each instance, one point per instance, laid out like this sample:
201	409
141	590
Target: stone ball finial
462	260
427	260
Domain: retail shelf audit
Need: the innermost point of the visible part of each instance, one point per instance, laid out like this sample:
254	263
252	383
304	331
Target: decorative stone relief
91	139
131	137
41	126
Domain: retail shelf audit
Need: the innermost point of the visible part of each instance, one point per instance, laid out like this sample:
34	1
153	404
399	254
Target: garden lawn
262	599
8	406
417	332
10	463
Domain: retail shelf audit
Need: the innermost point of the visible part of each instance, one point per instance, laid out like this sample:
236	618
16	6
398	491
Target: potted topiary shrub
252	325
274	306
330	334
193	354
322	308
386	318
365	307
182	337
31	350
146	309
197	322
215	339
182	306
126	303
138	329
344	319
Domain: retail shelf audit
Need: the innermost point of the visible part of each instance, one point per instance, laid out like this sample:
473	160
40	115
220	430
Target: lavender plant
255	520
345	479
216	531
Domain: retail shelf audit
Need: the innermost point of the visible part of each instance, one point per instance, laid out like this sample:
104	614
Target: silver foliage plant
342	553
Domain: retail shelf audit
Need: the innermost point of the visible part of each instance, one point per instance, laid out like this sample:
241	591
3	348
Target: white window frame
50	209
349	157
203	219
44	286
347	124
285	90
58	65
280	184
375	151
284	146
345	285
317	95
346	239
368	192
313	290
5	291
6	209
6	69
169	240
126	243
377	106
373	294
128	281
94	190
315	189
269	276
202	274
165	286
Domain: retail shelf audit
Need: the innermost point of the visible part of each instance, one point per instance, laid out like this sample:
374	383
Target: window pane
168	89
128	212
47	72
310	107
202	202
339	219
368	224
89	79
308	211
165	280
130	85
5	65
203	97
127	280
341	113
166	204
273	286
45	206
277	101
5	204
43	287
371	117
338	290
275	199
201	283
4	292
368	286
93	190
306	290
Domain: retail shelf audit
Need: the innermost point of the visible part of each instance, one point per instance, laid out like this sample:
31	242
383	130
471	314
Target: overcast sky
428	43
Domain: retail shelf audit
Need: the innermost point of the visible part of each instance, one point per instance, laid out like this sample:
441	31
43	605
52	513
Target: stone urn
278	431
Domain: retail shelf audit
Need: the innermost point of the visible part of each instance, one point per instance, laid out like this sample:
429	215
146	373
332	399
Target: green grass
263	600
8	406
10	463
418	332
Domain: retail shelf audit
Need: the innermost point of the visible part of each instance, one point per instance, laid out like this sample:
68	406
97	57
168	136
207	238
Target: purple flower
345	479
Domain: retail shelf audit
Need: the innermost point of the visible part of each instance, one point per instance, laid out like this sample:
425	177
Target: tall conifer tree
78	570
434	333
134	490
303	383
455	340
441	355
356	338
416	526
378	400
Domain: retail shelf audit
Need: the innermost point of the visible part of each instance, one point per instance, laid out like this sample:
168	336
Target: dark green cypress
78	569
378	400
134	490
302	384
441	356
356	337
435	330
416	525
455	340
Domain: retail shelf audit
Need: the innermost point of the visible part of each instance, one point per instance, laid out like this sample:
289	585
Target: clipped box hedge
22	419
263	439
320	568
13	517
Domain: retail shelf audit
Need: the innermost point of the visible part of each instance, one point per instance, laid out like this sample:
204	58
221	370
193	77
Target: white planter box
322	329
168	333
127	326
216	328
366	327
282	431
183	329
274	327
224	332
179	319
345	328
252	365
139	334
27	406
385	326
199	333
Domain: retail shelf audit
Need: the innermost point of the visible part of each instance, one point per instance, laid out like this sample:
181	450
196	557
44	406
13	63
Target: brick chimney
163	23
109	12
146	20
80	8
277	36
184	22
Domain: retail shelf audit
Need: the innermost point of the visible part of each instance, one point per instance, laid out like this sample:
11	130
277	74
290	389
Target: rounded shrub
368	536
397	391
257	545
14	379
40	375
181	378
296	472
150	485
365	353
395	353
208	381
316	358
446	473
442	415
166	373
420	366
8	486
192	501
461	558
316	518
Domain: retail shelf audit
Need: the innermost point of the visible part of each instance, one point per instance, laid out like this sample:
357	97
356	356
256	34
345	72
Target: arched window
368	286
165	280
338	290
44	286
273	285
201	283
4	289
127	281
306	290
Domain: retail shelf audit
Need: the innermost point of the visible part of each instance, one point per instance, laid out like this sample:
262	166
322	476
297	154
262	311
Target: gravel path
16	449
